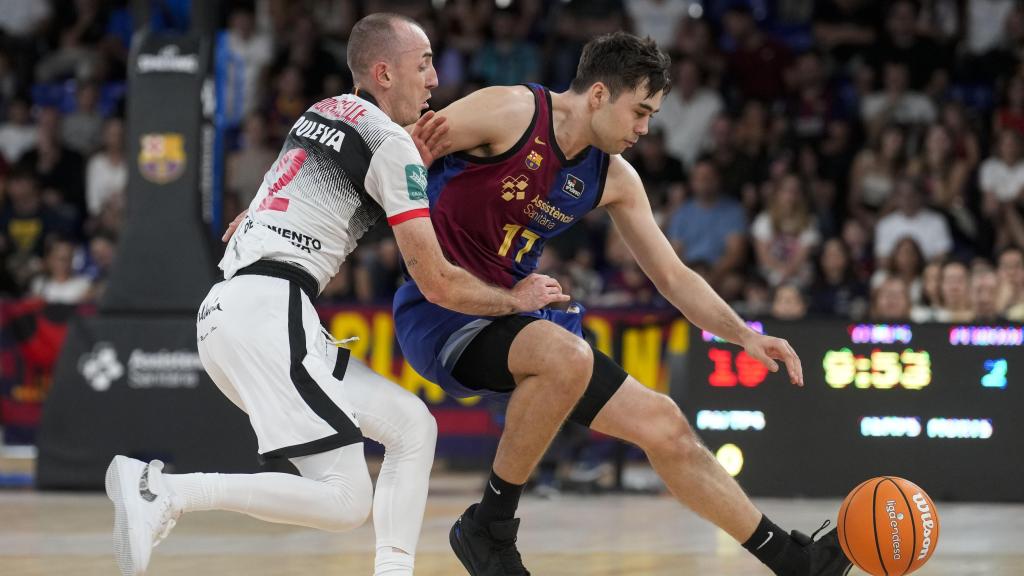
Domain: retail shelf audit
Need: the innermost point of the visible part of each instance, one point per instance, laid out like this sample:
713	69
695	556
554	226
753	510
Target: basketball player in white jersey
346	163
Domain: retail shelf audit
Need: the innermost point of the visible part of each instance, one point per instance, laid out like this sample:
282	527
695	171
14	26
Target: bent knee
669	432
349	508
569	365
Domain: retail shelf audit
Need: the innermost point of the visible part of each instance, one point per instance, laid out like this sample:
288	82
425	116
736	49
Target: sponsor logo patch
573	186
416	181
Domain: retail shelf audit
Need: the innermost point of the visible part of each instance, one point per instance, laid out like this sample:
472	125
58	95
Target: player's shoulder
502	101
622	182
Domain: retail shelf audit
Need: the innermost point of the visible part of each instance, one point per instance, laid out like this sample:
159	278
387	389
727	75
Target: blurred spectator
927	309
695	40
1001	179
757	62
59	284
954	289
379	273
1010	115
247	165
874	174
687	113
788	303
836	290
17	135
60	170
985	296
507	58
25	224
305	52
910	218
944	178
896	102
811	105
82	129
576	22
785	235
287	103
101	255
984	31
919	56
858	243
76	30
846	28
907	264
26	221
657	18
757	298
22	25
964	140
656	168
254	51
107	171
629	287
709	228
1010	268
890	301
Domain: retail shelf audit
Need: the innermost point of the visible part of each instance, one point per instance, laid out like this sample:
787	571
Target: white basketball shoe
144	511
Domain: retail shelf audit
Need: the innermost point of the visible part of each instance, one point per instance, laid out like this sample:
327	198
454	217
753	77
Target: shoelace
168	520
168	515
815	536
823	526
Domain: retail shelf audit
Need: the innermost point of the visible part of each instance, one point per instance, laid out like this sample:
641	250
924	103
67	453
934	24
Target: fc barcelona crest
533	160
162	157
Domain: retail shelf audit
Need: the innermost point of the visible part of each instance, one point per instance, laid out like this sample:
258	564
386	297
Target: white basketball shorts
261	341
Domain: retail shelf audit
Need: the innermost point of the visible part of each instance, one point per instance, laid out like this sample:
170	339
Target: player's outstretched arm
626	201
456	289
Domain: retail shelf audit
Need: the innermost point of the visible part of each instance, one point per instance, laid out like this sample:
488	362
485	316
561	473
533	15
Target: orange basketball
888	526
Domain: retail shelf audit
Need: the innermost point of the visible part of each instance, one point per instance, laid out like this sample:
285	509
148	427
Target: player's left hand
429	134
767	349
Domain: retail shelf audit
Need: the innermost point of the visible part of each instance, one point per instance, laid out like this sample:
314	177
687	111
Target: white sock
392	562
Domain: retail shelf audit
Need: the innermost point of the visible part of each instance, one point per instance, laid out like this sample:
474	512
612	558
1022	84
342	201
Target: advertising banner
136	387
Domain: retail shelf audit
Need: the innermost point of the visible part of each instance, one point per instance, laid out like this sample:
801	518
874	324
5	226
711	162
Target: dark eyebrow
428	54
647	107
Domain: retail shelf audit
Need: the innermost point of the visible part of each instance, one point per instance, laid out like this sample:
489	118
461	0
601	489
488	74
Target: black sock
776	549
500	500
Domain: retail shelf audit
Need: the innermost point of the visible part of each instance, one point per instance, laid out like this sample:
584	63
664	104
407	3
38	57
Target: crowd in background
851	158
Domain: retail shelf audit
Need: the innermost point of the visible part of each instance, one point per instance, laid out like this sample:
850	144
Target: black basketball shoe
824	554
487	551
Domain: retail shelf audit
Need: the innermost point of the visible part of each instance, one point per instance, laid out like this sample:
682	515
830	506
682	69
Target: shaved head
375	38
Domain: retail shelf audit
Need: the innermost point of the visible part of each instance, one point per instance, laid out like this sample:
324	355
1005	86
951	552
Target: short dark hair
370	37
622	61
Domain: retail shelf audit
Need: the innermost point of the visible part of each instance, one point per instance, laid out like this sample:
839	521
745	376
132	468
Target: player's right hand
429	136
537	291
233	226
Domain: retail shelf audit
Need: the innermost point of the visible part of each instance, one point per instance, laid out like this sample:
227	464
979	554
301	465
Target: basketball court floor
46	534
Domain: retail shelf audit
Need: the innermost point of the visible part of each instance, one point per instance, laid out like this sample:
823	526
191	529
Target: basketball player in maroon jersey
526	164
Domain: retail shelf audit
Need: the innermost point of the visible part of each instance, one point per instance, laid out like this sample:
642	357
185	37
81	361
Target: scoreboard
940	405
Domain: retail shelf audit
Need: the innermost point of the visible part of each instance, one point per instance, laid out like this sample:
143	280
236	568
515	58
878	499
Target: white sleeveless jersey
343	166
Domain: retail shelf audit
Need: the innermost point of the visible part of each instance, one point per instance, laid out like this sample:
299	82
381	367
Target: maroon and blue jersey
493	215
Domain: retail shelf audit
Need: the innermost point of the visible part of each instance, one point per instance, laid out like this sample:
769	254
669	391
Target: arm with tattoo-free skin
626	201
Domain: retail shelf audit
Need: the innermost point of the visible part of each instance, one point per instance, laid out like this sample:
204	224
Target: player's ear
598	94
382	74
